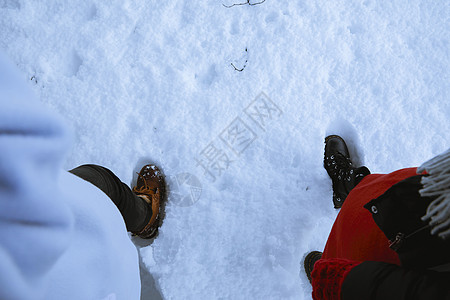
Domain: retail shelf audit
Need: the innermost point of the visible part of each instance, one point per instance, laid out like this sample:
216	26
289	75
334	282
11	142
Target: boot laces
340	166
146	188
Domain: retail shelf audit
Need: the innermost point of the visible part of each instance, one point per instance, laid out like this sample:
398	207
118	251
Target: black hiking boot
340	169
309	262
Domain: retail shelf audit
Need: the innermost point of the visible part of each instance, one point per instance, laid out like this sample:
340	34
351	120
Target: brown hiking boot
151	186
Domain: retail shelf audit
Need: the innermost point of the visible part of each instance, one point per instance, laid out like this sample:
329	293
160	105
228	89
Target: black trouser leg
135	211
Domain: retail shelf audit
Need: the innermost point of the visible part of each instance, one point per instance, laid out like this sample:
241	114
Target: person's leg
345	177
135	211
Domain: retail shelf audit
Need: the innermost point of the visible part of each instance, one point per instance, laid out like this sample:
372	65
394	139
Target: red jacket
357	262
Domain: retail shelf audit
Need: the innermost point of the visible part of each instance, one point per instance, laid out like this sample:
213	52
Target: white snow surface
153	81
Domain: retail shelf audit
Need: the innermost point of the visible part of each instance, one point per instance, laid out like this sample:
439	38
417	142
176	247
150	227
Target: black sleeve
379	280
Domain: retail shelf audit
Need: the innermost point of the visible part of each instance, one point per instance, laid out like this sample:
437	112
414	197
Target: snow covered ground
159	81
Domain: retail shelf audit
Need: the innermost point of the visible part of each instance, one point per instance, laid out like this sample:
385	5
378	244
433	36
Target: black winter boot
340	168
310	259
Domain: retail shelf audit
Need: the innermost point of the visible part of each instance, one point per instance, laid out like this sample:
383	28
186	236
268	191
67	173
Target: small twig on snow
245	63
244	3
239	70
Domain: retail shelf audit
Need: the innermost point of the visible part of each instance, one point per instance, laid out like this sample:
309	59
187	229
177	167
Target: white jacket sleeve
36	223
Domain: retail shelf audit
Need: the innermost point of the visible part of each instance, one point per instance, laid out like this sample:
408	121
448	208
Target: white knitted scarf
437	184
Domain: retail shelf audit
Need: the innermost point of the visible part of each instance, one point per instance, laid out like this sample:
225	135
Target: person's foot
151	187
340	168
309	262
